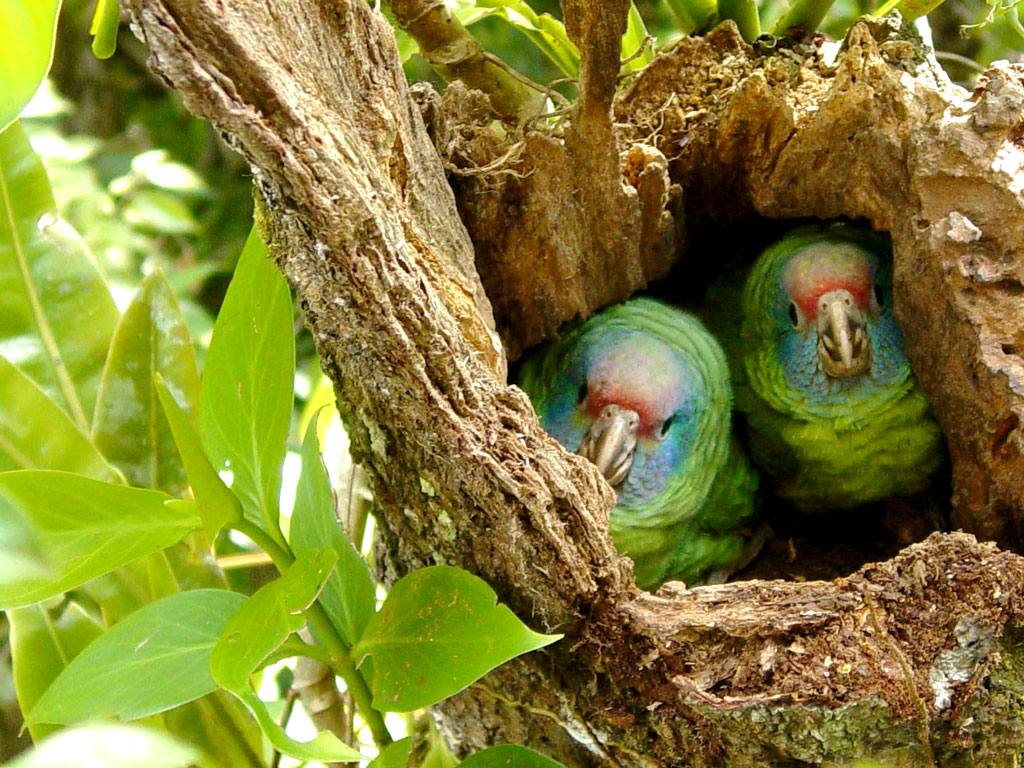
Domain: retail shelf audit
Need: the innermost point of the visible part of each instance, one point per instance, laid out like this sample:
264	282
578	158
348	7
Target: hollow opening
799	545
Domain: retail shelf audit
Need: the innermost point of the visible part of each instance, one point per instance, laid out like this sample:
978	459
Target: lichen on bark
360	217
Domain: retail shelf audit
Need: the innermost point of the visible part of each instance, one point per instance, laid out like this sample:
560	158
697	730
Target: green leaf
439	630
635	37
325	747
268	618
85	528
105	22
132	586
349	596
217	505
161	212
246	400
42	645
155	659
56	317
543	30
509	756
111	745
29	28
130	426
394	755
20	556
35	433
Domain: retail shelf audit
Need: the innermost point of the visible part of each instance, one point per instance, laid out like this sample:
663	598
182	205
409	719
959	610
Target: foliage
126	418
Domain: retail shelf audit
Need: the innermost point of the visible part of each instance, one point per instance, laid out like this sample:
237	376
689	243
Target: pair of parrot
811	354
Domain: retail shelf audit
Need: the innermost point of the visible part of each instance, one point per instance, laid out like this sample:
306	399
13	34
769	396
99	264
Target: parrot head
631	393
818	316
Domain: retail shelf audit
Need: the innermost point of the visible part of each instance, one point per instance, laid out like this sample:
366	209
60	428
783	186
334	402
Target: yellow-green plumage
687	505
830	440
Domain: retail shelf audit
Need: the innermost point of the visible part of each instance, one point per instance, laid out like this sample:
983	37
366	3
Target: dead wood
915	660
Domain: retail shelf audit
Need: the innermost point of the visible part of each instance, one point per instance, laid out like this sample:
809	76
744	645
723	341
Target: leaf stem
282	558
318	619
803	18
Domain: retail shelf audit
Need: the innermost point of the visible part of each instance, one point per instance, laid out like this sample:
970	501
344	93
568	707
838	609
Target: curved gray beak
843	345
611	441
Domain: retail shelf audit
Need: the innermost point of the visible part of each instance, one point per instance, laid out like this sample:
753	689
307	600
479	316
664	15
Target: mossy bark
914	661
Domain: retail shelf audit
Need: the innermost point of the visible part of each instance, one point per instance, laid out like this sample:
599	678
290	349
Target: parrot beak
610	442
842	339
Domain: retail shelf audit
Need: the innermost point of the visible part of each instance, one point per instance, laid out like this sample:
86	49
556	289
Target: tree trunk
916	661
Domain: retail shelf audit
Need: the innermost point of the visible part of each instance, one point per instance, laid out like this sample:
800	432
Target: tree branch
750	673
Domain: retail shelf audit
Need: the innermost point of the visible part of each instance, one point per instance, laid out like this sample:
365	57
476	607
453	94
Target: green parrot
642	390
834	413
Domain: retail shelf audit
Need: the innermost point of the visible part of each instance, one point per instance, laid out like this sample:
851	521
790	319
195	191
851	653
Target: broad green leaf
217	505
42	645
86	528
155	659
635	37
111	745
439	630
394	755
35	433
130	426
509	756
246	401
29	29
56	315
105	22
268	618
349	596
543	30
325	747
132	586
20	555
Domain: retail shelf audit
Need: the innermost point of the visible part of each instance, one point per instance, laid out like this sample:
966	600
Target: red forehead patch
829	266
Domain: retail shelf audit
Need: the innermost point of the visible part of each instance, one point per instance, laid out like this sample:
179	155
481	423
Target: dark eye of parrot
666	425
582	394
878	295
794	318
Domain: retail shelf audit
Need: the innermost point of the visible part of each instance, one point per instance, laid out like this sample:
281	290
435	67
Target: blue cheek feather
799	355
654	464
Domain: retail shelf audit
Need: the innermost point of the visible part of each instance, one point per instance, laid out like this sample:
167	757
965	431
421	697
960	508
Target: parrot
642	390
834	414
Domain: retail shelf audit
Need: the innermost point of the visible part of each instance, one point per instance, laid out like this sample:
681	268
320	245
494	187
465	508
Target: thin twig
648	40
957	58
286	715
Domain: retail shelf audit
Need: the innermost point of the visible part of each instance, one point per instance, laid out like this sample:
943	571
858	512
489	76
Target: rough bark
916	660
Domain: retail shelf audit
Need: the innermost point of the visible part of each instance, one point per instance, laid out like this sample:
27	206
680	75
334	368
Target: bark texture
917	660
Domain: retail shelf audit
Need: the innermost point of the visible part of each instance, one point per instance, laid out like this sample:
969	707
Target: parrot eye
794	316
879	296
666	425
582	393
